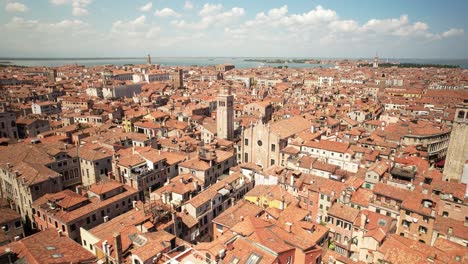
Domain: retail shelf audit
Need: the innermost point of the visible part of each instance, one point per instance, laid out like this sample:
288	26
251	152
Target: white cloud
211	15
134	29
12	7
210	9
453	32
314	16
57	38
215	29
58	2
79	7
147	7
344	25
279	17
153	32
166	12
188	5
121	26
20	23
74	26
79	11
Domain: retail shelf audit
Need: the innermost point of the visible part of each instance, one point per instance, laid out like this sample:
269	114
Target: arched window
461	114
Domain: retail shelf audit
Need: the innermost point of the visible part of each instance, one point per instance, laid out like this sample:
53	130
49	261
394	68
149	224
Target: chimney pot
118	247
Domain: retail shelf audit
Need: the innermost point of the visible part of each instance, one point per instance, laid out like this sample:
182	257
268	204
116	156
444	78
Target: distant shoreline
285	61
230	57
412	65
239	62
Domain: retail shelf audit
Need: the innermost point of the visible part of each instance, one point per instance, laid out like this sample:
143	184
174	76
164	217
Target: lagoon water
239	62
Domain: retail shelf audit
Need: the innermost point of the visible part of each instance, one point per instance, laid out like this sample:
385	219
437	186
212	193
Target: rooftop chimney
79	189
363	221
104	247
288	226
118	247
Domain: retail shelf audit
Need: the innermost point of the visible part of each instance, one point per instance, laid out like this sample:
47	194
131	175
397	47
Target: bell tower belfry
225	114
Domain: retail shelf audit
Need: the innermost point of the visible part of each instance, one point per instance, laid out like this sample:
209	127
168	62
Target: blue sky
163	28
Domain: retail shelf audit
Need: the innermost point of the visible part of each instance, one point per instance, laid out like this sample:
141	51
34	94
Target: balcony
386	205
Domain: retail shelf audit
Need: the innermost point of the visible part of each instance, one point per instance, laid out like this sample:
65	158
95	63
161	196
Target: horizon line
287	57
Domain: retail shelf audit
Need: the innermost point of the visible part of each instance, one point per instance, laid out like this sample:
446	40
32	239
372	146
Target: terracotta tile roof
94	205
48	247
307	162
397	249
458	228
361	197
288	127
196	164
150	154
414	203
323	185
118	223
454	188
298	237
243	248
7	215
379	167
130	160
92	155
173	157
232	215
157	242
269	238
272	192
211	191
344	212
249	225
31	160
340	147
181	184
391	191
292	214
188	220
105	187
452	249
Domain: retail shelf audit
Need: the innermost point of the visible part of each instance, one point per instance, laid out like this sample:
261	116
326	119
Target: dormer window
427	203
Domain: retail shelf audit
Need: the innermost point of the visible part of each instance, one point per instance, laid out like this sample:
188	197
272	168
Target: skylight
253	259
382	222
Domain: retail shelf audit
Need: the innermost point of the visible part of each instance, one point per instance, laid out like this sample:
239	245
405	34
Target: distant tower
457	154
178	79
225	113
52	75
148	60
376	62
